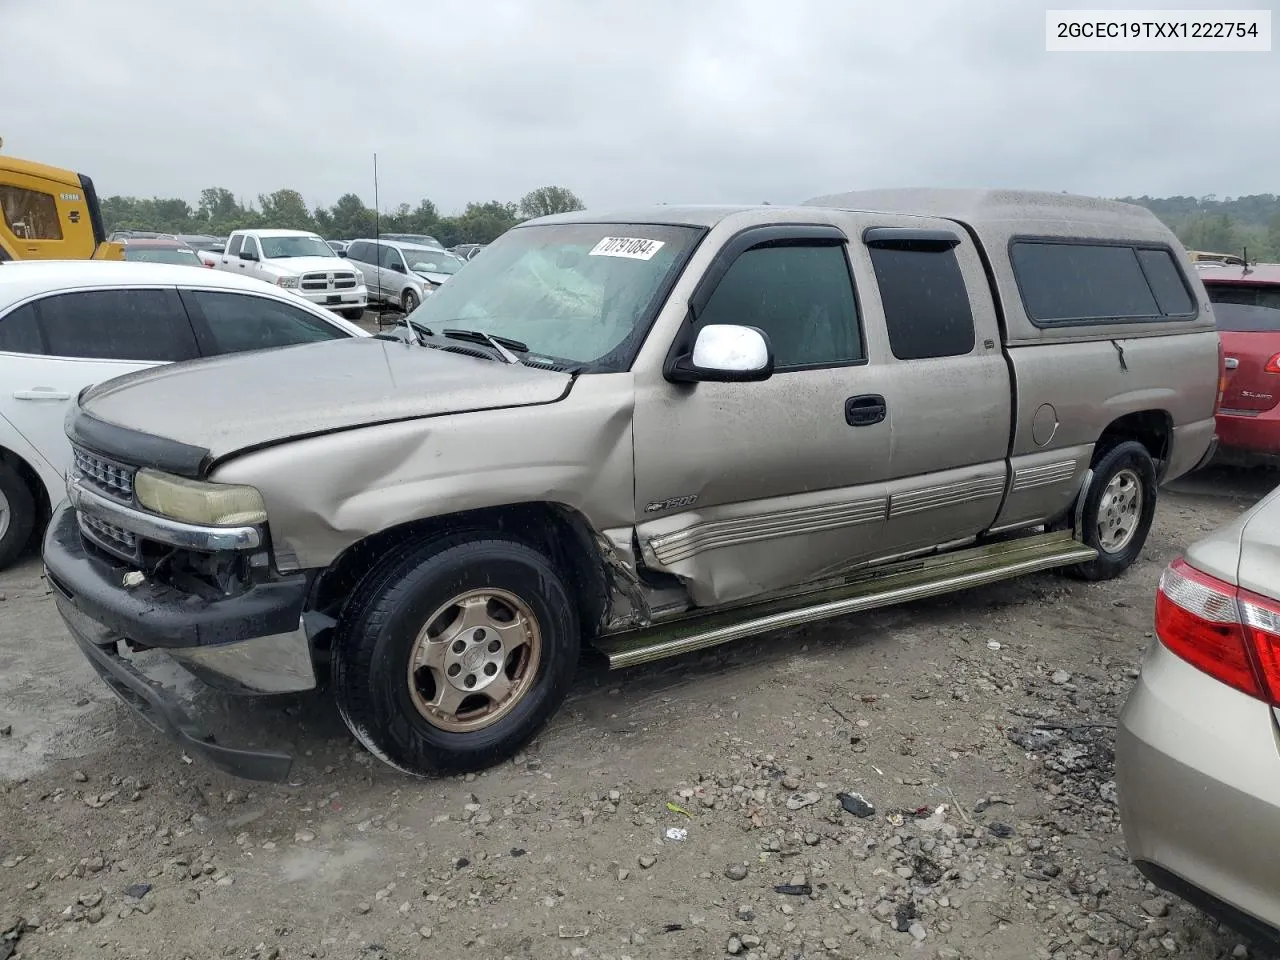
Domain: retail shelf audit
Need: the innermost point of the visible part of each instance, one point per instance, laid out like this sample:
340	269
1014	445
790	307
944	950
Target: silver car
1197	761
401	274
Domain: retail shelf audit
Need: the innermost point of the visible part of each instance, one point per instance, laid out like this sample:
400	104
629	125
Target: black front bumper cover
100	612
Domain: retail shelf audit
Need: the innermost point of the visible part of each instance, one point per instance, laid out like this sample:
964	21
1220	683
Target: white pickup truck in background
299	262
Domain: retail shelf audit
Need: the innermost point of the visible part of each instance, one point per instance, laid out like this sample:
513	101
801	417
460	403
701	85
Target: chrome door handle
40	393
1231	363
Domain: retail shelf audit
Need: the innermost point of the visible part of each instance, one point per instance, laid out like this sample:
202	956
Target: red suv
1246	303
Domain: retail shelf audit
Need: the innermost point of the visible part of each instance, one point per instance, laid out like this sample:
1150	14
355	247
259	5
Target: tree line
1201	223
1230	225
219	211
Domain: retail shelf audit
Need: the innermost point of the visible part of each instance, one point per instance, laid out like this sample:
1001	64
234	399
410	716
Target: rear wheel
454	653
1119	507
409	302
17	514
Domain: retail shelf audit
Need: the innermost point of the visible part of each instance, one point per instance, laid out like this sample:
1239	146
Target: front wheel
353	315
1118	510
409	302
17	514
453	653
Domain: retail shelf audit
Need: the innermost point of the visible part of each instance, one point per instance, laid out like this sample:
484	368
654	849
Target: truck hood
251	400
301	265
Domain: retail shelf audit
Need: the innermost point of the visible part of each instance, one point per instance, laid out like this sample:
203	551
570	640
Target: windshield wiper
500	344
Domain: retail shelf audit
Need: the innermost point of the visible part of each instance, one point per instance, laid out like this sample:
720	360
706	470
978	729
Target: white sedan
68	324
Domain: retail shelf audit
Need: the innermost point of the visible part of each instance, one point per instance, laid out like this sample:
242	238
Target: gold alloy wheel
474	660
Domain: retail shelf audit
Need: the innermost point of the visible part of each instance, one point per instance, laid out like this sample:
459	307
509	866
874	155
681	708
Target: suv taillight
1231	634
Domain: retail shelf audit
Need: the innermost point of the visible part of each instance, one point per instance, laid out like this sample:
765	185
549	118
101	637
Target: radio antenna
377	224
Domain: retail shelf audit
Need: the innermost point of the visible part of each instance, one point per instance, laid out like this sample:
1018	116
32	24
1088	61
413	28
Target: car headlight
198	501
287	282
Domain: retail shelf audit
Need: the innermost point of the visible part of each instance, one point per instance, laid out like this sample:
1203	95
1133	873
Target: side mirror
248	255
397	267
725	353
342	253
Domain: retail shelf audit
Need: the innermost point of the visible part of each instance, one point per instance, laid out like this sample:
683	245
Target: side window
926	305
1073	283
389	258
30	214
233	248
236	322
357	251
251	246
116	325
20	333
1166	282
801	296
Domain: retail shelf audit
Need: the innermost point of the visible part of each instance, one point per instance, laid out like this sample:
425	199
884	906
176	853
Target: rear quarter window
1078	282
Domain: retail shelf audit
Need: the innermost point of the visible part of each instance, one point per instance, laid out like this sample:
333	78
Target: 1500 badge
659	505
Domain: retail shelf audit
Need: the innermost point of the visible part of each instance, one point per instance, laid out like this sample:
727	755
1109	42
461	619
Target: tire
17	514
388	707
353	315
409	302
1118	509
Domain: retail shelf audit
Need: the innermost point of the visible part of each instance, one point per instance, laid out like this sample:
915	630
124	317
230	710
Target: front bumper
1198	776
253	643
335	300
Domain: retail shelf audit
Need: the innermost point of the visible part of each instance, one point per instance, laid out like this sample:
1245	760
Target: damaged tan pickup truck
649	432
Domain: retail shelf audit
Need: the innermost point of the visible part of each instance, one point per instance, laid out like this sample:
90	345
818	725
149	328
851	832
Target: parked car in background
1246	306
1220	259
1197	767
65	325
202	241
465	251
299	262
339	246
884	406
421	239
400	274
122	235
161	251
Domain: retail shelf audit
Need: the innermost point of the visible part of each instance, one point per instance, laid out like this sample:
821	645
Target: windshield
163	255
1245	308
581	292
432	261
279	248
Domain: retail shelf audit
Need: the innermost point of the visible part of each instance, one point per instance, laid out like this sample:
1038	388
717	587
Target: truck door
230	259
952	405
251	257
743	488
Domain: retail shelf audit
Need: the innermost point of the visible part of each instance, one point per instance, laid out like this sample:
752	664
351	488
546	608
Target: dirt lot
112	845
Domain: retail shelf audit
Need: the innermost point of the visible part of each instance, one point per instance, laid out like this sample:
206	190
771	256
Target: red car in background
1246	304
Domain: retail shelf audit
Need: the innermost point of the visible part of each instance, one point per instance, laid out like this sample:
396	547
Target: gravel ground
931	781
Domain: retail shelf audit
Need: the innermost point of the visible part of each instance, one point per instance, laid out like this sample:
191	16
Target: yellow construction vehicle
47	213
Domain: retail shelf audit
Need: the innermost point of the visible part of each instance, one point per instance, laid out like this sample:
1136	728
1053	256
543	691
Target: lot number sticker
634	248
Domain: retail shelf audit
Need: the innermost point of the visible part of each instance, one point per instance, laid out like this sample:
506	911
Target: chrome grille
328	281
106	476
116	540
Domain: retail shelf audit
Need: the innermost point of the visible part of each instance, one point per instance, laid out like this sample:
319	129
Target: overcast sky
624	103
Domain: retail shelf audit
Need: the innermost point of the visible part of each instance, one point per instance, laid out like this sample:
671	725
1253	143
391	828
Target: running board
879	587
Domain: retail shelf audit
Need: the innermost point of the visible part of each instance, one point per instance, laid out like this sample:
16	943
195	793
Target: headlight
197	501
287	282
